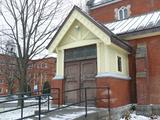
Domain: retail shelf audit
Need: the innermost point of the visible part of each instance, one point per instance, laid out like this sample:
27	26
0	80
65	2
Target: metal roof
135	24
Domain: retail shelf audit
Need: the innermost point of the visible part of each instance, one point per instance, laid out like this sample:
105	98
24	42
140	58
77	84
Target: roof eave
141	33
117	41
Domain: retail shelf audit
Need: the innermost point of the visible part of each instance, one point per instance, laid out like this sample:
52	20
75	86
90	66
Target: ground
75	112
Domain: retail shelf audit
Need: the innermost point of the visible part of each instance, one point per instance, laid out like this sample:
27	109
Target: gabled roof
113	37
142	23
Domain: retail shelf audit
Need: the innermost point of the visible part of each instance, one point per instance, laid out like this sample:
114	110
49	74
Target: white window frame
123	13
123	9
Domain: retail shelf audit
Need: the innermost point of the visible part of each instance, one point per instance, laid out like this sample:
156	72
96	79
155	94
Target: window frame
125	12
119	65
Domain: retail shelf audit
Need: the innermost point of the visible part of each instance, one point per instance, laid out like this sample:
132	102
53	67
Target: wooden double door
80	74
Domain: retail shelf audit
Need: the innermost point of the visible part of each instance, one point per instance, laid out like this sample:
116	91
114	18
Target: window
1	81
1	90
123	12
119	63
30	66
45	65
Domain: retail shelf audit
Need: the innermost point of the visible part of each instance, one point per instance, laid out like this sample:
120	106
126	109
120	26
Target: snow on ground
140	117
17	113
69	116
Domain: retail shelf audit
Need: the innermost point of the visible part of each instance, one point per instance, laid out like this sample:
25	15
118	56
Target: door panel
88	73
80	74
72	75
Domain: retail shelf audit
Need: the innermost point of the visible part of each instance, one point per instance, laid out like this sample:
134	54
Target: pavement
75	113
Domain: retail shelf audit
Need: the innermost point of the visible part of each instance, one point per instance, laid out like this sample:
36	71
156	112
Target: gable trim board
106	32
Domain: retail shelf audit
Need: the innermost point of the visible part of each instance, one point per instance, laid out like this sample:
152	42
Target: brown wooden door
72	75
88	73
79	75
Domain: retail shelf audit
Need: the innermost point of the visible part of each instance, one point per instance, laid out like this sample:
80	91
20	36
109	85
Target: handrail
57	98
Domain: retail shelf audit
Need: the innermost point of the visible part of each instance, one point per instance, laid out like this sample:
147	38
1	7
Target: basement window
119	63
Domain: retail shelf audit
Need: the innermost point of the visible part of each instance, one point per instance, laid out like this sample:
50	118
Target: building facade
39	72
137	22
121	42
105	11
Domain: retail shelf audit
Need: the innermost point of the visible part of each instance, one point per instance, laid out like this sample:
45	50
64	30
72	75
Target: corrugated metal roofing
134	24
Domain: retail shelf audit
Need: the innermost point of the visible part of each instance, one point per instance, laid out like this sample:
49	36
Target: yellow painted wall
79	31
107	59
113	53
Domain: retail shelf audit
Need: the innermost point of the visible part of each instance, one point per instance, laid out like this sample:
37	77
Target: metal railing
59	94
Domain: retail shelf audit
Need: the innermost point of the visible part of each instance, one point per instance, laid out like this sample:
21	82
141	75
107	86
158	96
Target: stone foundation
148	110
103	114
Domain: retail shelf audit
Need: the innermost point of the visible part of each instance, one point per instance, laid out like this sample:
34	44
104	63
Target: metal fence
55	92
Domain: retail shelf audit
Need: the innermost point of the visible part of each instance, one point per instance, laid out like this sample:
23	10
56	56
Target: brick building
138	23
105	11
7	71
121	42
39	72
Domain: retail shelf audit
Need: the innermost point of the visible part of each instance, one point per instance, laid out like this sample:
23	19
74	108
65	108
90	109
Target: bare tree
30	25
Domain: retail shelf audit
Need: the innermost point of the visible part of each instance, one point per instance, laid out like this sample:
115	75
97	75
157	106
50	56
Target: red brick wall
60	85
119	91
148	89
106	14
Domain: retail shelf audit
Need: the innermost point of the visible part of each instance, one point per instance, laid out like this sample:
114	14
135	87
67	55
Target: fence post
85	93
48	102
59	98
39	104
22	104
109	110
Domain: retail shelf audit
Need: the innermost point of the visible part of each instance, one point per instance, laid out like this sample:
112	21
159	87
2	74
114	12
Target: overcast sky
66	7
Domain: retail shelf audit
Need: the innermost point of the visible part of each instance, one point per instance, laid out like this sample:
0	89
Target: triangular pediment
80	29
78	33
79	18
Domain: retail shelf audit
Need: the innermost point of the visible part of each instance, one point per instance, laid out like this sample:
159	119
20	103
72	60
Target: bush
46	88
133	108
